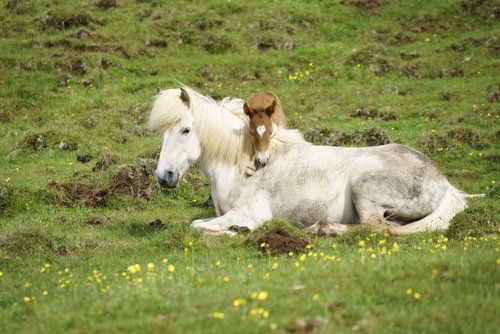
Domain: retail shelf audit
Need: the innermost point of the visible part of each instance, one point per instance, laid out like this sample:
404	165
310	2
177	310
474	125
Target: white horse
325	189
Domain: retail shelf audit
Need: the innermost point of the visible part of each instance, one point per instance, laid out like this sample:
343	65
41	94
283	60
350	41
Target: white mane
221	126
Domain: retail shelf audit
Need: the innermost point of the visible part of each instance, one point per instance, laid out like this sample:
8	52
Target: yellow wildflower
151	266
164	261
416	295
218	264
26	299
275	266
218	315
263	295
238	302
315	296
409	291
171	268
361	243
273	326
45	293
265	314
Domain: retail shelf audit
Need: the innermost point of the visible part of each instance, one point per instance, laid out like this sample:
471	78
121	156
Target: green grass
72	72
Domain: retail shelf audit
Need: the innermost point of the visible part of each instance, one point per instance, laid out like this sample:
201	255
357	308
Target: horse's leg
370	211
327	228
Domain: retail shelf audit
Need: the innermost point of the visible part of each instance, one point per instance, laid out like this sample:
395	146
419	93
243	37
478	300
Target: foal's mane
221	126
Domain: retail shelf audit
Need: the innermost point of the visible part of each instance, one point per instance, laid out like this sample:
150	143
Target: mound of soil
134	179
95	221
105	160
106	4
73	194
372	136
157	224
84	158
63	20
48	139
279	241
364	5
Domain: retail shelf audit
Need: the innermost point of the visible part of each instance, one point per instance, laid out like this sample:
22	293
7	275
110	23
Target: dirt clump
134	179
63	21
95	221
105	160
106	4
4	192
84	158
365	5
371	113
466	135
76	66
157	224
74	194
48	139
366	112
372	136
239	229
157	43
372	57
4	118
279	241
410	55
493	93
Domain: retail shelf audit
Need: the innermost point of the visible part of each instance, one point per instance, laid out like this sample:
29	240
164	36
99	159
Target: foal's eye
186	131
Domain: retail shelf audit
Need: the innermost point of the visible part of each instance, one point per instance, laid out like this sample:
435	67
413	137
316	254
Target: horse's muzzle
169	179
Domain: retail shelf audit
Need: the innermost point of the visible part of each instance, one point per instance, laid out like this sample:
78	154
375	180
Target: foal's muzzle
168	179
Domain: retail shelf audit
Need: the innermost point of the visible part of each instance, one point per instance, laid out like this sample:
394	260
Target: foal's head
260	108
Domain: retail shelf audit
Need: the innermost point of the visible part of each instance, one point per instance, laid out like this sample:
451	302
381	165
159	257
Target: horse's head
259	108
180	143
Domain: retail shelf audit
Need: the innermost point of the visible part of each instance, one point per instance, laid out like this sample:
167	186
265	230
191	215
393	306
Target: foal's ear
247	110
271	108
185	97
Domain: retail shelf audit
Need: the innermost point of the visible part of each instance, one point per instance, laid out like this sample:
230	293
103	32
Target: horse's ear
185	97
271	108
247	110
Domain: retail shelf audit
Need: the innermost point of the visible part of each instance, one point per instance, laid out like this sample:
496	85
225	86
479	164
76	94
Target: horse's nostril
170	174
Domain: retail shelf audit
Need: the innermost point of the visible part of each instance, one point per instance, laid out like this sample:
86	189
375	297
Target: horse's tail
452	203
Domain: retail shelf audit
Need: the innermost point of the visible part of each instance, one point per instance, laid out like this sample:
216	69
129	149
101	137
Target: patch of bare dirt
4	118
493	93
372	57
105	160
131	179
409	55
84	158
157	224
372	136
157	43
364	5
279	241
106	4
74	194
63	20
96	221
466	135
48	139
134	179
372	113
304	326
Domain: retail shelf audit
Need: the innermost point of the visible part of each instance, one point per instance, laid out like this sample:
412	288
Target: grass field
77	251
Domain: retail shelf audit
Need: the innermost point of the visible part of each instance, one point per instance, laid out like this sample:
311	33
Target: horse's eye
185	131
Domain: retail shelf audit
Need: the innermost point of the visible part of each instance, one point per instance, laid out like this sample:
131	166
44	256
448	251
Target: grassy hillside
79	248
